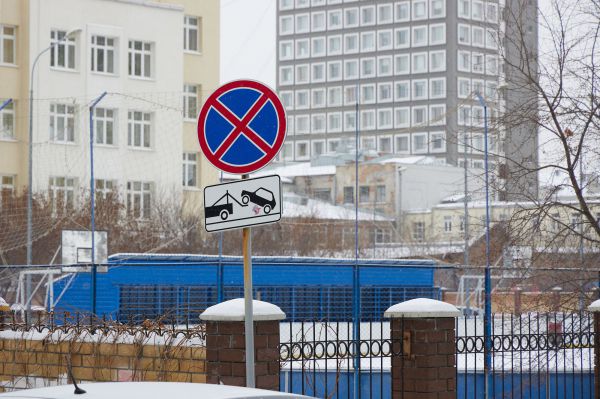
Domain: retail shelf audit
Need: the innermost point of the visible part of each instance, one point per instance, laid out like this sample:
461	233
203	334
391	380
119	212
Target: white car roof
149	390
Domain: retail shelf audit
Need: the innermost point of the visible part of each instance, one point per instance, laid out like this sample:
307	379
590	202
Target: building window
491	40
286	75
367	119
367	41
437	88
334	96
402	38
419	143
318	47
104	188
384	119
464	34
139	199
286	50
464	8
332	146
367	67
418	231
437	34
287	98
364	194
334	45
447	224
286	25
477	10
419	9
402	11
478	39
104	119
348	195
7	188
491	62
402	117
437	9
367	94
302	99
367	15
62	194
478	61
7	121
302	48
334	71
318	148
384	40
8	44
190	102
334	122
191	33
334	19
318	123
437	115
492	13
437	141
138	129
62	123
302	150
302	124
318	98
403	144
349	121
103	54
464	87
351	17
419	62
464	61
287	152
350	69
351	43
349	95
419	89
402	64
62	55
189	169
385	14
402	90
384	145
419	116
419	36
140	59
437	61
302	74
384	65
385	92
318	21
286	4
462	223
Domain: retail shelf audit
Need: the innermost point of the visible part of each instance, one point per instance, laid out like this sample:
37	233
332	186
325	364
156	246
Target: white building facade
128	49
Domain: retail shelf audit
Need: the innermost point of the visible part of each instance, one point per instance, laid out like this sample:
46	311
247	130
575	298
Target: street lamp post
488	283
67	36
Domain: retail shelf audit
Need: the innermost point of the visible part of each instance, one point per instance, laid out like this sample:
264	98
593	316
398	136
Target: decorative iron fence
332	360
533	355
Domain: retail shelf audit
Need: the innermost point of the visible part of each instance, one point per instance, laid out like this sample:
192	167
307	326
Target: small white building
128	48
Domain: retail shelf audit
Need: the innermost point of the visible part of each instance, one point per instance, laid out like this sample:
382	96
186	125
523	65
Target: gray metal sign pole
248	317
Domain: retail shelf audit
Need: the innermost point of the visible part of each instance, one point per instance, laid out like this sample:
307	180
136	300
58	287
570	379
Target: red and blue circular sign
241	127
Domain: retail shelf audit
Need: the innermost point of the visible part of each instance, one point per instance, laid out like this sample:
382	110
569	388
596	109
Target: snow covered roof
422	308
234	310
290	171
324	210
417	160
595	306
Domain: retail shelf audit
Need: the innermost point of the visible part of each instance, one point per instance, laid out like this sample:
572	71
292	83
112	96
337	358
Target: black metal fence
333	360
534	355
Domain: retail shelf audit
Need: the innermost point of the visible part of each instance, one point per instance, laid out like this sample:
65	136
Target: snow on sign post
241	128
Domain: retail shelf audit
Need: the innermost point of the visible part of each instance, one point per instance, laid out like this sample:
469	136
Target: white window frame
287	152
466	40
8	40
380	122
479	3
331	97
62	114
381	60
479	33
397	43
333	145
298	18
314	68
350	99
298	99
331	67
302	143
145	125
356	38
286	5
331	116
368	143
424	42
363	73
401	111
440	122
462	68
315	104
65	46
302	44
366	88
432	140
463	94
299	124
314	143
105	51
302	3
382	150
191	102
144	195
477	67
425	95
144	57
491	16
314	26
413	121
413	63
415	149
397	96
402	11
350	121
191	29
363	10
7	122
302	70
103	118
491	59
414	4
431	84
406	137
287	99
491	41
432	55
190	169
330	24
289	44
334	39
431	8
433	42
364	48
64	192
398	63
282	24
318	123
282	74
371	117
380	91
315	53
381	46
380	19
460	8
347	13
347	74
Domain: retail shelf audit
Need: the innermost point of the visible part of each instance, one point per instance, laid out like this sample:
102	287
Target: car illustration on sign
261	197
221	209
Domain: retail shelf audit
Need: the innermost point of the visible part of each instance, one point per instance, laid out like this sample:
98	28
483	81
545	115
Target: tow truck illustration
223	207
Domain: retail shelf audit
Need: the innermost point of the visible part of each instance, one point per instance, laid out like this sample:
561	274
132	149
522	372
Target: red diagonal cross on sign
267	134
241	126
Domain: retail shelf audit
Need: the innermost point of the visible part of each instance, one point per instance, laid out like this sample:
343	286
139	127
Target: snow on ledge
422	308
233	310
595	306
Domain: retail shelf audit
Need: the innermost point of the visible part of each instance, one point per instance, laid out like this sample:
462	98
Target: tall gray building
402	73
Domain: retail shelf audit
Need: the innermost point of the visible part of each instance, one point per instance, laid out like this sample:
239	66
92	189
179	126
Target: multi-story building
144	148
401	74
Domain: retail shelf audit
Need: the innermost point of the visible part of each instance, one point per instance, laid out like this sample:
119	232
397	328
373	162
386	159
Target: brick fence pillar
595	308
4	314
226	343
427	367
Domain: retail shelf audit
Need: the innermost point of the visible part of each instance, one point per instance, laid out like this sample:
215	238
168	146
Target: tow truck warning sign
242	203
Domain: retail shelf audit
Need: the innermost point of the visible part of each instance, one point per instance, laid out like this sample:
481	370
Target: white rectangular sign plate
242	203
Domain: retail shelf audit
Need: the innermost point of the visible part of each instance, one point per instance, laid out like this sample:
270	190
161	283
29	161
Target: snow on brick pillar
426	369
226	345
4	314
595	308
